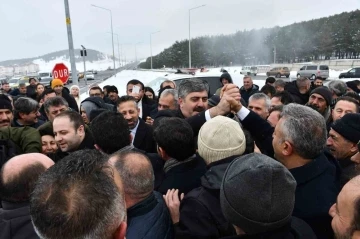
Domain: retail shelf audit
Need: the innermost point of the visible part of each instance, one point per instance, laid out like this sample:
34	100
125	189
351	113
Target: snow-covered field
96	65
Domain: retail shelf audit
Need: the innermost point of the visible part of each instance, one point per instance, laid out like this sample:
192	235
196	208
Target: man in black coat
144	104
176	146
248	89
147	214
58	86
142	134
17	181
31	89
111	134
220	141
193	103
298	142
70	134
257	196
299	90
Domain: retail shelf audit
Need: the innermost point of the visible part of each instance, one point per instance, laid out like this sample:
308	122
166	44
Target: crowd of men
276	162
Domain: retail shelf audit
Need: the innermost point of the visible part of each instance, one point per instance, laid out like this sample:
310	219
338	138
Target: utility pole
83	54
71	44
274	54
189	31
151	64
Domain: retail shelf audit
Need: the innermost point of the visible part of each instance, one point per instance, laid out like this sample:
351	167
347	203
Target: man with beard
318	82
70	134
143	103
142	134
193	103
58	86
320	100
6	111
342	143
113	92
26	112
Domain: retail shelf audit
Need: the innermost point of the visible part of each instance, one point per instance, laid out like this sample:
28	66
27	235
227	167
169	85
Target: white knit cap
219	138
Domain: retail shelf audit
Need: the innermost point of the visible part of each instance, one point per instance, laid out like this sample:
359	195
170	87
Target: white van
249	70
45	75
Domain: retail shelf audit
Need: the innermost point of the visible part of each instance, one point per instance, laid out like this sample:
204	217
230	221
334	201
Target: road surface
100	77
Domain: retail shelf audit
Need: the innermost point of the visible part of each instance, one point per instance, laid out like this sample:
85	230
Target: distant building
19	69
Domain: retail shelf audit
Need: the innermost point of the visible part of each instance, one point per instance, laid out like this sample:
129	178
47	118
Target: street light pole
189	31
151	48
136	51
112	32
117	35
70	41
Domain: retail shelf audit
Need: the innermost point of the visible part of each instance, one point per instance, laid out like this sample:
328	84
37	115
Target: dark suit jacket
15	221
144	139
195	121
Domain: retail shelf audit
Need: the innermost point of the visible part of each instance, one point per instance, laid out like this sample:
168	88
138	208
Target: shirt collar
135	129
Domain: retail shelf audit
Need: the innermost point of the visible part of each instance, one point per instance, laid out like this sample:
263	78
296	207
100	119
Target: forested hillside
334	37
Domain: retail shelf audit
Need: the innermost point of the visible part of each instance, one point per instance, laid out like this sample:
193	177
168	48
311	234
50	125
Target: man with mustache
320	100
193	103
142	134
6	111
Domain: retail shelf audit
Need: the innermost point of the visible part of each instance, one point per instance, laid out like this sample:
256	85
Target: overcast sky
32	28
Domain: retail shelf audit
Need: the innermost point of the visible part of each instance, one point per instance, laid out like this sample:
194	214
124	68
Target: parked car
249	70
352	73
278	72
43	74
46	81
16	80
312	71
212	78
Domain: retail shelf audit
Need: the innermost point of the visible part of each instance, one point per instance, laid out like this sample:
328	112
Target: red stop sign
61	72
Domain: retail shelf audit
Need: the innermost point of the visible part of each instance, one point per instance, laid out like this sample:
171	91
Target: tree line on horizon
333	37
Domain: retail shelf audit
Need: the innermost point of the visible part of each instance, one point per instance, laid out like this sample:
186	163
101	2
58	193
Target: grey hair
25	105
172	92
188	86
55	101
114	215
301	82
280	83
338	87
305	128
262	96
137	181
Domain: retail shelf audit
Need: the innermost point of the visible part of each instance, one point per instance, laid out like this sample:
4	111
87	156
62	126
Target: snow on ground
120	80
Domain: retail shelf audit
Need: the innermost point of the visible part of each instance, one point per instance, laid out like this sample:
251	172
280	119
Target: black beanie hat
324	92
352	85
257	194
112	89
348	127
5	102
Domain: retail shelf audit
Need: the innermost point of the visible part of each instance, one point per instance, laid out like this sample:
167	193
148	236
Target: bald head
136	173
19	175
